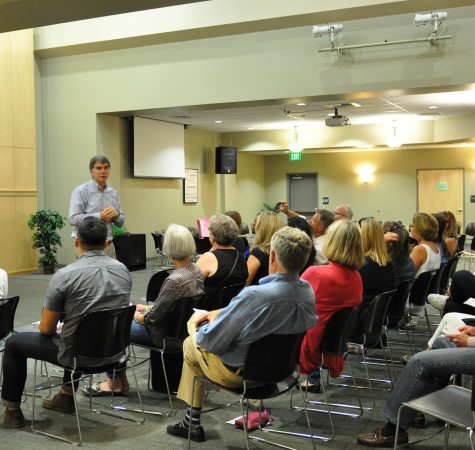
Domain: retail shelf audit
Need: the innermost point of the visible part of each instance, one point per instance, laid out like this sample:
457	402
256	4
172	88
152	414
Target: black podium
130	250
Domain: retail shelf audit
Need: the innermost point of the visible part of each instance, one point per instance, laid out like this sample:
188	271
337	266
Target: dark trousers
18	348
461	289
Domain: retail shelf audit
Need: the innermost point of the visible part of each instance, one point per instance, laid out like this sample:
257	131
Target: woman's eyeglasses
393	228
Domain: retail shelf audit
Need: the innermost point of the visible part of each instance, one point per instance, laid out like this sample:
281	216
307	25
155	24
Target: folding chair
334	344
158	243
452	404
174	333
268	372
101	336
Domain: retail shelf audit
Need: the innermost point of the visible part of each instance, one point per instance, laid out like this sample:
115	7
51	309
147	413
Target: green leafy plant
45	225
118	231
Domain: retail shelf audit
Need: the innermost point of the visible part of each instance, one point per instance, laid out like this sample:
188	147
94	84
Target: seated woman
185	281
425	255
240	243
398	250
441	241
302	224
377	273
267	224
461	289
223	265
336	285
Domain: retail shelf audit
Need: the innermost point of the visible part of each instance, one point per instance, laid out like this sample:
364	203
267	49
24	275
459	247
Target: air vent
435	113
180	117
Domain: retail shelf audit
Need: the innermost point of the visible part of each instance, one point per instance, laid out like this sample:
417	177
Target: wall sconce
365	173
295	146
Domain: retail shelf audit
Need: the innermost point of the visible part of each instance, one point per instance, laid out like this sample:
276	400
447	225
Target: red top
336	287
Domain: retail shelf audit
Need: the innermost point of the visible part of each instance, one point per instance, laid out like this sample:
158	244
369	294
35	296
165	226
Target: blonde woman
336	285
377	272
425	255
267	224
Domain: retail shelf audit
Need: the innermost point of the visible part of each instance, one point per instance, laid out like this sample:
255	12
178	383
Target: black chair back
157	240
202	245
461	242
103	334
174	323
434	285
470	229
418	294
335	335
155	284
227	293
376	314
398	302
244	228
448	273
273	358
7	315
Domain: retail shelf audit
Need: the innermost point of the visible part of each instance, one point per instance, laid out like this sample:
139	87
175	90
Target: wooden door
441	190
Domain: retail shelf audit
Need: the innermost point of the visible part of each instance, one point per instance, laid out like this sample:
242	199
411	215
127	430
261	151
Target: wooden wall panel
25	169
18	184
6	99
7	169
26	257
23	88
8	233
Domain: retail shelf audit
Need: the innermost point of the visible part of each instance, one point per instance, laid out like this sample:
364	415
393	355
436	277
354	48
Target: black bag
173	364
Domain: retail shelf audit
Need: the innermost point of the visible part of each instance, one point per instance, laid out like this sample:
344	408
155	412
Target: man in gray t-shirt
93	282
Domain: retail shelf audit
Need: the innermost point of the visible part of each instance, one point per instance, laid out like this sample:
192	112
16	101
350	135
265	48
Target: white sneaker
416	310
437	301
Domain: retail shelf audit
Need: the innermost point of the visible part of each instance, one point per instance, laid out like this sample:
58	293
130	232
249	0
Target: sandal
95	390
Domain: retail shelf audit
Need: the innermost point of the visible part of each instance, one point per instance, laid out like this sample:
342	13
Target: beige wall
18	190
392	195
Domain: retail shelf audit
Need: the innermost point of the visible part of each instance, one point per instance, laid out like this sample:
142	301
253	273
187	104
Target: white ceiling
285	114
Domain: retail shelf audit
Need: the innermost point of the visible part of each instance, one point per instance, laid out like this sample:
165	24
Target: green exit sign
297	156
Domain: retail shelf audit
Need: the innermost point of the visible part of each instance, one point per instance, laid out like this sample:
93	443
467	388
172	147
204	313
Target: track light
331	29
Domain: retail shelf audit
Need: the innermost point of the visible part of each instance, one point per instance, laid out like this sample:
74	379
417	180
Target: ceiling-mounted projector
337	121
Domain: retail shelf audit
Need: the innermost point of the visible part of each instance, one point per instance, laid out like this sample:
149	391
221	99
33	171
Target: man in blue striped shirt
280	304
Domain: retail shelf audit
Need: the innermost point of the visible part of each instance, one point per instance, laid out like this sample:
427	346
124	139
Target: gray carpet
100	431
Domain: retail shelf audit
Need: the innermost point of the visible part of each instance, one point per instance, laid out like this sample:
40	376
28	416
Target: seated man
218	349
91	283
425	372
3	284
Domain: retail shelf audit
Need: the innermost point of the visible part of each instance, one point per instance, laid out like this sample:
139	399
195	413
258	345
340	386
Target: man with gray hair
319	224
343	212
95	198
280	304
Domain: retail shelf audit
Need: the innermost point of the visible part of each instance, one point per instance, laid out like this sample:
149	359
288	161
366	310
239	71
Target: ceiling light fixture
301	104
218	121
295	146
433	107
393	140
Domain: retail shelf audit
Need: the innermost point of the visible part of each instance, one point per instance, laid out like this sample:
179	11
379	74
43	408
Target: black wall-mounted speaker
226	160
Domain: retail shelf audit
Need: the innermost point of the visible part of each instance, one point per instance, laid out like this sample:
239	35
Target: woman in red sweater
336	286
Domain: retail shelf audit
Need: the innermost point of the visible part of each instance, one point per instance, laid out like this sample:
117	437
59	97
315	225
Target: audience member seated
450	324
425	372
267	224
93	282
449	233
240	243
302	224
319	224
218	349
398	250
336	286
185	281
441	242
377	272
3	284
223	264
426	255
461	289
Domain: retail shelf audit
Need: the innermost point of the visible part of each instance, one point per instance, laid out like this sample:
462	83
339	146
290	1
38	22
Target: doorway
303	193
441	190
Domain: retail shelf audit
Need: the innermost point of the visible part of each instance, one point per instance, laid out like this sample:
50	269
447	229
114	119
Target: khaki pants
197	361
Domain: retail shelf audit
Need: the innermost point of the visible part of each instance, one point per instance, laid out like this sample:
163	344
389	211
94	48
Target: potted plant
45	225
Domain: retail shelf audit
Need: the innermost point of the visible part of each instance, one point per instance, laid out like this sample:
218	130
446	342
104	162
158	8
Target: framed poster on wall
190	186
